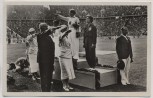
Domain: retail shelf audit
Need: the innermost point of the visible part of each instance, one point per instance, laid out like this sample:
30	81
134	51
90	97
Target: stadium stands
108	19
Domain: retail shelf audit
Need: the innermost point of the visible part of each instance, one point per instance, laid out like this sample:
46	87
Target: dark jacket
90	35
123	47
46	48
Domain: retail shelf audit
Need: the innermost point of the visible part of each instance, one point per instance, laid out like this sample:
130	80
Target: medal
90	29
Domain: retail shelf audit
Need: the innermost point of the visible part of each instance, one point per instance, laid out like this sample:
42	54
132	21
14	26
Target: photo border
4	74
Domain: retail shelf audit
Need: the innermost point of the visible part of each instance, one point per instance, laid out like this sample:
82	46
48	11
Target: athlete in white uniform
32	53
73	24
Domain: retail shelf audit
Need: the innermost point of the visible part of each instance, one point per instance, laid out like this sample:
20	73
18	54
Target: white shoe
123	82
70	88
66	89
33	78
38	78
128	82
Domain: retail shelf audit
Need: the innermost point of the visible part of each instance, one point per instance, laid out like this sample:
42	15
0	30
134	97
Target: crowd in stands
13	37
22	17
40	12
112	27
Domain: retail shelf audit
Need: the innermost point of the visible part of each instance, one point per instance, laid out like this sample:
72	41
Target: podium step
90	80
98	52
100	77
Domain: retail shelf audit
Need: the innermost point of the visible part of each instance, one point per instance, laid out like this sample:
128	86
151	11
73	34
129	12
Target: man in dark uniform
90	39
45	58
124	53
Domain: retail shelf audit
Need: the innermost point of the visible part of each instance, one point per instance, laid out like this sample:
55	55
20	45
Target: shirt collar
124	36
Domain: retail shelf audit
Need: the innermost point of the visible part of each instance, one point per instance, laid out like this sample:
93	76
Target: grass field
138	70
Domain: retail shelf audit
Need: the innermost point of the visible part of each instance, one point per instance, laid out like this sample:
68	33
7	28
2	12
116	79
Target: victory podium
88	77
94	78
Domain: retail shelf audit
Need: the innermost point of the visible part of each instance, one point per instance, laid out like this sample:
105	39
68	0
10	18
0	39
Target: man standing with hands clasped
124	52
90	39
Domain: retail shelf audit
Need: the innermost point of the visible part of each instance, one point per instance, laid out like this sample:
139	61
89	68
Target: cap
90	17
31	29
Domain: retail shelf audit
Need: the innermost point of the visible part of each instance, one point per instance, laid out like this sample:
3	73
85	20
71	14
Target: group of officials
62	42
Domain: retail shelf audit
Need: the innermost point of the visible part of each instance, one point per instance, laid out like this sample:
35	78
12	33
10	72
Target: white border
129	2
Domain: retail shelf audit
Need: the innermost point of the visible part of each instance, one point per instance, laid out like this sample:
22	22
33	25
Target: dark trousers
75	63
9	41
90	56
46	71
118	77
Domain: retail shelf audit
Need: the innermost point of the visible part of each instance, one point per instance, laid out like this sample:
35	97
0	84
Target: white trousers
125	72
74	43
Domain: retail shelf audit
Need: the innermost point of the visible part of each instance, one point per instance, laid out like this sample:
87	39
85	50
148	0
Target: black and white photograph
77	49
